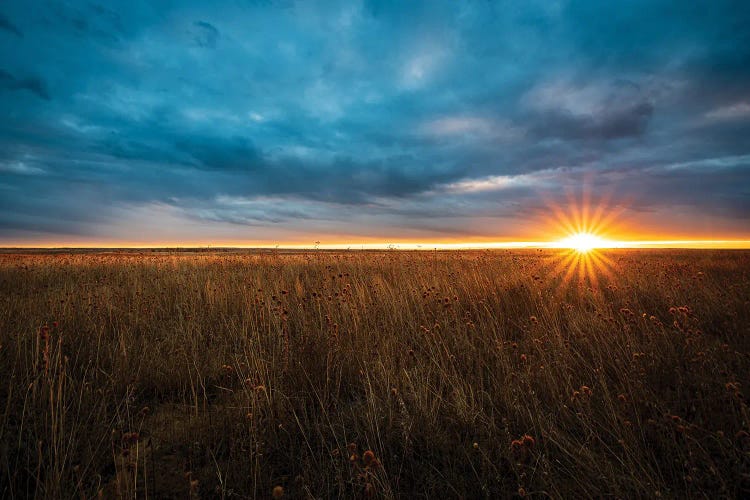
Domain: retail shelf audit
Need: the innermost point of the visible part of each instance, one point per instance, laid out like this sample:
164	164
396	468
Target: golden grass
374	374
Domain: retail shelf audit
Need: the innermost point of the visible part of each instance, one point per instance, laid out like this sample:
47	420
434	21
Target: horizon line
606	244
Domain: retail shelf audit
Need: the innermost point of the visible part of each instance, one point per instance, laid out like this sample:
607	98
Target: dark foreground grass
476	374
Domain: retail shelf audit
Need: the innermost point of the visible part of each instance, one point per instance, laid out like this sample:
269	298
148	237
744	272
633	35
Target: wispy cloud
736	111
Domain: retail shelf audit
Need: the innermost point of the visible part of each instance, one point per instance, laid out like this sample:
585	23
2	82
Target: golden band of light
595	242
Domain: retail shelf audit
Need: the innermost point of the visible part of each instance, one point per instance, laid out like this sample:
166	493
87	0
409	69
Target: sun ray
587	224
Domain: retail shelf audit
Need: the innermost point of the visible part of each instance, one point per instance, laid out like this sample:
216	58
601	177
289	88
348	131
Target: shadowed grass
464	374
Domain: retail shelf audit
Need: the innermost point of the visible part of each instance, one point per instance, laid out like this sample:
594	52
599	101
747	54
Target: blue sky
283	121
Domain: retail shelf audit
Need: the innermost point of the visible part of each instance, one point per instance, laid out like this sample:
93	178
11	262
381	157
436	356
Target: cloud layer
294	121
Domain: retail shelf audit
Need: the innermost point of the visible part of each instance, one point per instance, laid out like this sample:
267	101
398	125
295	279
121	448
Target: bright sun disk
583	242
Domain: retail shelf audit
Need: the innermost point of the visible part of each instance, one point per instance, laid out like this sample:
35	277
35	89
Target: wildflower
522	446
528	441
130	438
476	446
733	387
521	492
368	457
278	492
516	445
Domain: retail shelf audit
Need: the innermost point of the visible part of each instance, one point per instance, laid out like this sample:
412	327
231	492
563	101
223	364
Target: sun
583	242
584	229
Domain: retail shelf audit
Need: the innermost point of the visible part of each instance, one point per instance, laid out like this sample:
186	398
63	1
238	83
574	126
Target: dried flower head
528	441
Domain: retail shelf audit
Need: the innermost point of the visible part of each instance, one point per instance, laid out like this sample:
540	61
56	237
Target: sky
291	122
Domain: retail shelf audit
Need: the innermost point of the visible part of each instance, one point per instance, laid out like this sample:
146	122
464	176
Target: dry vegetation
434	374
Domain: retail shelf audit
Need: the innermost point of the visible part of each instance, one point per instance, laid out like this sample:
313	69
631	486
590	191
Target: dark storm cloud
8	26
619	110
413	118
33	84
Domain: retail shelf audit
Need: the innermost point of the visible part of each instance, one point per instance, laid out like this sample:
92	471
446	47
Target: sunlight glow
371	245
584	242
586	227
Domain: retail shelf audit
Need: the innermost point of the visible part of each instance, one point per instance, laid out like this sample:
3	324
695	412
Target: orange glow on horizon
599	242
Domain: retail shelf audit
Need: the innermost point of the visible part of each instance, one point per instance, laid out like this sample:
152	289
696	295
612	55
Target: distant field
374	374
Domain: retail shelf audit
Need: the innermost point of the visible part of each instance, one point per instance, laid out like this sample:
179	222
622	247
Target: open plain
242	374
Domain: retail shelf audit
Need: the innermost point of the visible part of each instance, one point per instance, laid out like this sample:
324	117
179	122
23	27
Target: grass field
374	374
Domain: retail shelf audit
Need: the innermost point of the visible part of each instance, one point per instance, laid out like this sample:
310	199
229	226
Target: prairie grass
374	374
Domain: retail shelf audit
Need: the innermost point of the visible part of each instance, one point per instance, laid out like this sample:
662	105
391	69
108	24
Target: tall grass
423	374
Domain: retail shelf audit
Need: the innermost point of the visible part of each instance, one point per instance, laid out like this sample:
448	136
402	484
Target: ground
173	374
